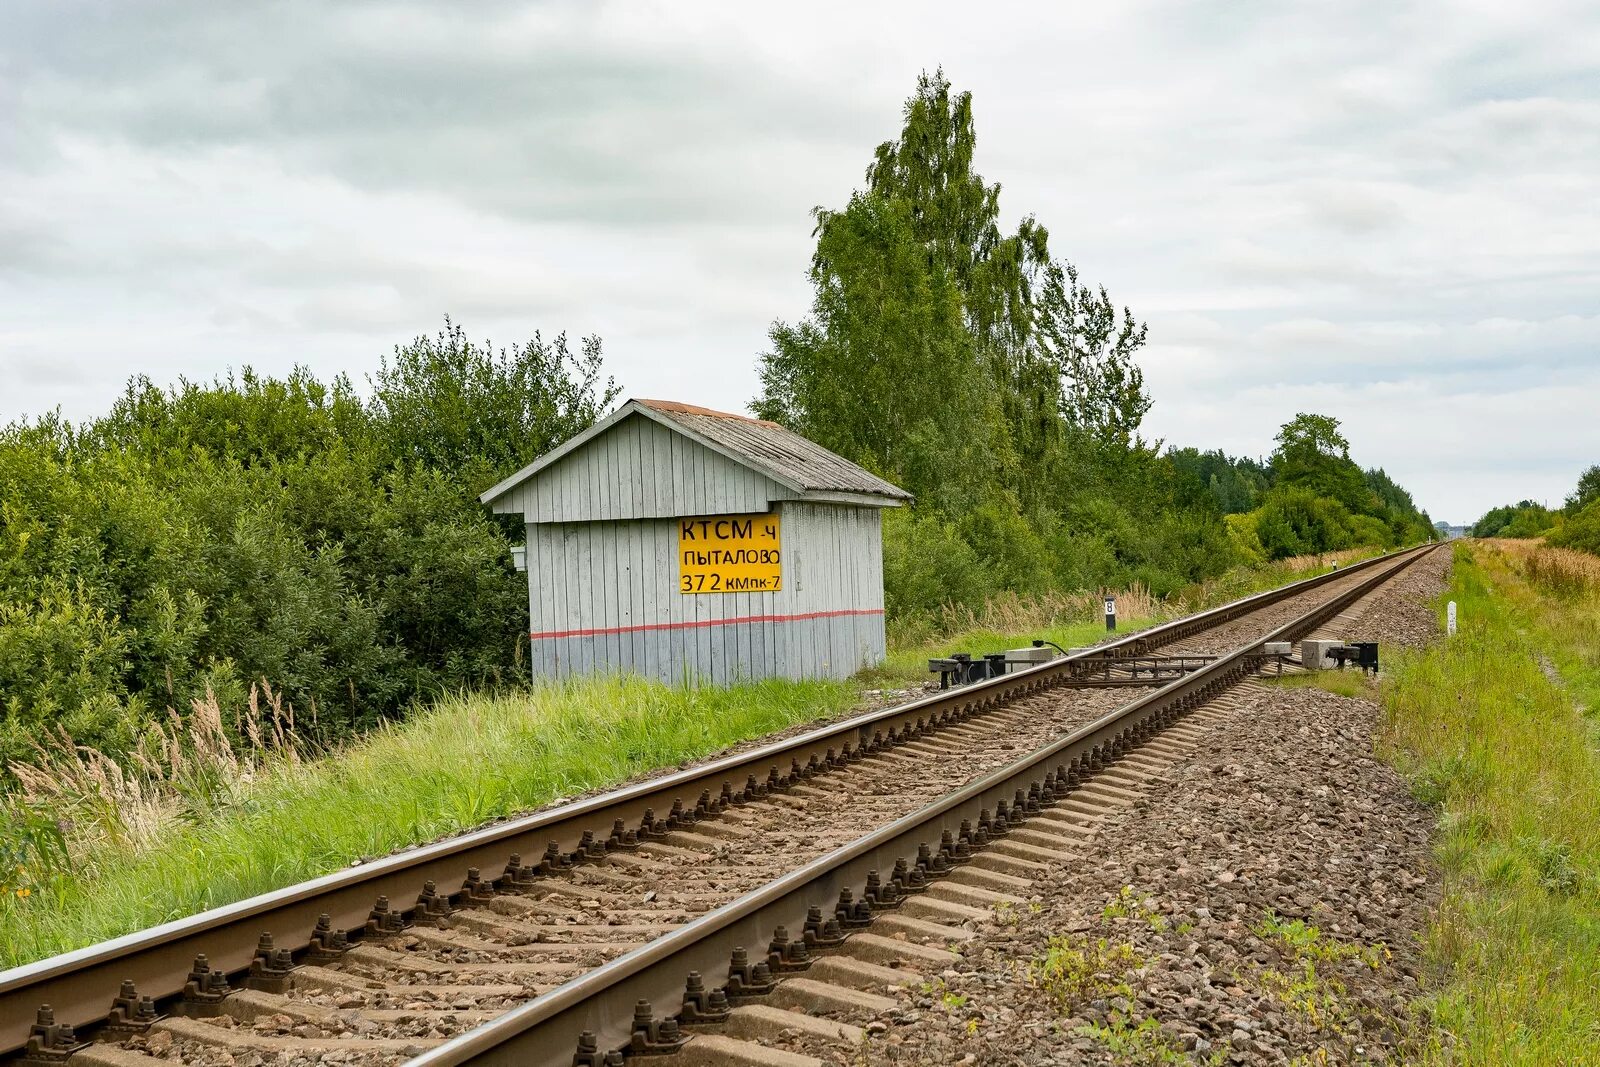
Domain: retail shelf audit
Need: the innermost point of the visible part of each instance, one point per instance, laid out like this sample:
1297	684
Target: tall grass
1017	613
1496	727
461	762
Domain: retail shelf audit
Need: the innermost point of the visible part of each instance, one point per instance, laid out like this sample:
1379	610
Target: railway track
574	932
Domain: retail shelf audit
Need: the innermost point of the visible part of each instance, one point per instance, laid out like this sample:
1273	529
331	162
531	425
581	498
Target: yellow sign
729	554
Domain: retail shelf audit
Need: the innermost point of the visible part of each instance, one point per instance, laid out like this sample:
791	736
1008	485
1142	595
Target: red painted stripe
701	623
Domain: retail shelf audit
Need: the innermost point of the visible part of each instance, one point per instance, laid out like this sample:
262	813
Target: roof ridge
694	409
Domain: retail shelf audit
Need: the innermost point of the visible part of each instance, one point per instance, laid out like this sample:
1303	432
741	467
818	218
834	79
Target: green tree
211	536
1313	454
1091	348
1587	492
1523	519
447	403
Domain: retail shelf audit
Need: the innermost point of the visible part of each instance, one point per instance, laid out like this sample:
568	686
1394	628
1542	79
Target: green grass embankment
1497	726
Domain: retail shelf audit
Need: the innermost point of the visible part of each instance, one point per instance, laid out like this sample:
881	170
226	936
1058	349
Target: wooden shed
682	543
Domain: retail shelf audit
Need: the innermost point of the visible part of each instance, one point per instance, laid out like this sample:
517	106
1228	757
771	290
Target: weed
1143	1044
1345	683
1304	942
1317	997
1074	970
33	851
1125	905
1552	864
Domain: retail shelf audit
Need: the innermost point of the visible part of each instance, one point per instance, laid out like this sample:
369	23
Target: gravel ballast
1402	612
1176	934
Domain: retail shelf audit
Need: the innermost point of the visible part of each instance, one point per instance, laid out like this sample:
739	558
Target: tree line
1576	524
975	367
214	538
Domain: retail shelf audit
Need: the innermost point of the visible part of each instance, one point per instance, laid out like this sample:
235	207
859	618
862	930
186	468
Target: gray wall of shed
611	590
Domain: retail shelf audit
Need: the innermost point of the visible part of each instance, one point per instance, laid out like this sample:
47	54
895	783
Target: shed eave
869	500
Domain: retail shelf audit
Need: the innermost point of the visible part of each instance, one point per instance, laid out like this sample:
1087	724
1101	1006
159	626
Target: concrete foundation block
1314	654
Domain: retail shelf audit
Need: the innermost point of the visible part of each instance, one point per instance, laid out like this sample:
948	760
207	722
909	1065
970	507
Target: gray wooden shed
682	543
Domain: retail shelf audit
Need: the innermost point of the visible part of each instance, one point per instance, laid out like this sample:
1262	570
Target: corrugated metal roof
781	453
786	457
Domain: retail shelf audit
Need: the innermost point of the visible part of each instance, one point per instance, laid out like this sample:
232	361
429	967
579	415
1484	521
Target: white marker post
1450	619
1111	613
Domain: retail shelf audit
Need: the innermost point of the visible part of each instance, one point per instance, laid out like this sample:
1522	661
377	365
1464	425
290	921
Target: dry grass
186	763
1021	612
1564	572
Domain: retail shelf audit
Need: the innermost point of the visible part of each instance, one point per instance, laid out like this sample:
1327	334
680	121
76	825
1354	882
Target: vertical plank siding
603	568
603	596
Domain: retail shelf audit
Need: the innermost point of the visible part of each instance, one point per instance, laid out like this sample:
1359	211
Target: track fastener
203	993
383	920
49	1041
131	1013
433	907
475	890
746	980
652	1036
327	944
821	933
883	896
852	914
622	839
269	970
785	954
702	1005
589	1054
518	877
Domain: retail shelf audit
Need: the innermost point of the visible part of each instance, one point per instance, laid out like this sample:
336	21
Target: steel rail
81	984
545	1031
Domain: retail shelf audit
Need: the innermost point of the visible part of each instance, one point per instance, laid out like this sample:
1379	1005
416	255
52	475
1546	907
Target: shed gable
639	469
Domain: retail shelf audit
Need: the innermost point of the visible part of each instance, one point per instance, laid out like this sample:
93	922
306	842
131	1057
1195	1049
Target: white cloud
1364	209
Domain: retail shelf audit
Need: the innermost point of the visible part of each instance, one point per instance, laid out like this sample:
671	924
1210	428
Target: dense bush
214	537
1581	531
1526	519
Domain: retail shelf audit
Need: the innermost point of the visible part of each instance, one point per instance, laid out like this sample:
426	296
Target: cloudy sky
1386	212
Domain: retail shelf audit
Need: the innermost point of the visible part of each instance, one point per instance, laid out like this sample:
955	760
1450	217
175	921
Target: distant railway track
539	938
